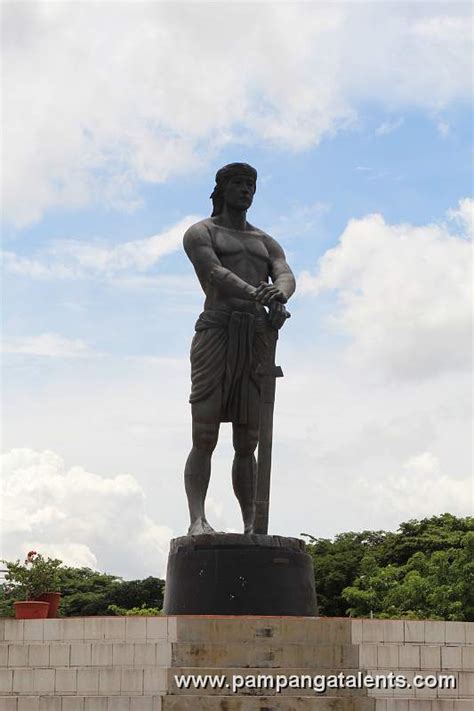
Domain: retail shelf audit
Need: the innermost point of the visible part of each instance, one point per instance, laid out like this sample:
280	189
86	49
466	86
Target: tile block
455	633
3	655
393	631
43	681
135	628
132	681
14	630
6	680
414	631
8	704
144	703
59	654
387	656
120	703
96	703
18	655
87	681
155	681
109	681
145	654
466	684
172	628
442	705
33	630
50	703
71	703
356	631
451	657
28	703
163	654
122	654
397	704
66	681
38	655
73	628
372	630
157	627
101	654
467	658
81	654
114	628
409	656
53	631
23	681
435	632
430	657
368	656
94	628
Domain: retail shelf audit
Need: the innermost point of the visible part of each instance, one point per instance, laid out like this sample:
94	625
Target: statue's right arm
198	246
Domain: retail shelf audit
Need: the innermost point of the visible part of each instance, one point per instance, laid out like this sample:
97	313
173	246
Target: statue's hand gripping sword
268	372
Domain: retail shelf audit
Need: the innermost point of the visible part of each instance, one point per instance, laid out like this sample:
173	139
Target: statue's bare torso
251	255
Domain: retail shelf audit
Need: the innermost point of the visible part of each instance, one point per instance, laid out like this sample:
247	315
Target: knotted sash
226	350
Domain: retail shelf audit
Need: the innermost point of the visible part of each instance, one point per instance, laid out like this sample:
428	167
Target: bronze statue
232	352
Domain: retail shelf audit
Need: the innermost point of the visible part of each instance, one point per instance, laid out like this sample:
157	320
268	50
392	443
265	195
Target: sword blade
265	440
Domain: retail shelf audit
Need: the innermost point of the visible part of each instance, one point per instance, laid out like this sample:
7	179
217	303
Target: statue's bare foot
199	526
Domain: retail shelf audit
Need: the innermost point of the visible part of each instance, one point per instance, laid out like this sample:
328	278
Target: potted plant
35	585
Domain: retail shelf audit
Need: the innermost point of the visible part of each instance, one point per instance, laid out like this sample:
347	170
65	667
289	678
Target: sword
268	372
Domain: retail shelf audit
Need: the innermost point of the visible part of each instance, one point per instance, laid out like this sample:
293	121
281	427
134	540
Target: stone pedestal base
233	574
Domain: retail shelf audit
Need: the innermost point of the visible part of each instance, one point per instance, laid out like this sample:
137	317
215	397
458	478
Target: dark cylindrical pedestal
233	574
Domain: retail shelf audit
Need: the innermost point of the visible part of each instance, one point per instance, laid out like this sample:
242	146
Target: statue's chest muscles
241	249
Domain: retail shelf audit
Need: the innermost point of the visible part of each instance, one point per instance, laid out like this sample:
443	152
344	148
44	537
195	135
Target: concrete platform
132	664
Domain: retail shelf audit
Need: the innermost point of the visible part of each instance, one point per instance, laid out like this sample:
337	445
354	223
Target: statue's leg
244	471
198	466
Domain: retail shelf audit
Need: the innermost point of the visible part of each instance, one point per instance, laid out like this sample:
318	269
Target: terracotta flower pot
31	610
54	598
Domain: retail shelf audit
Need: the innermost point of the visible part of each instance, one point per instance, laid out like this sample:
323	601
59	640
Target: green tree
87	592
424	570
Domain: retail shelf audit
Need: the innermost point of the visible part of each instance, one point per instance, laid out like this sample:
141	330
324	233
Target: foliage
30	579
336	565
425	570
142	611
87	592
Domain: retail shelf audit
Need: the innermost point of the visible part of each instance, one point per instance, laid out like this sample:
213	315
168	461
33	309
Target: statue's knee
205	437
245	442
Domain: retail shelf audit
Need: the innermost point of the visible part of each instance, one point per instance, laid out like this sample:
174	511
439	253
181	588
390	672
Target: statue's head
235	183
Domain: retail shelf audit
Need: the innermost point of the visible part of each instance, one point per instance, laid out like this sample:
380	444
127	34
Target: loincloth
226	351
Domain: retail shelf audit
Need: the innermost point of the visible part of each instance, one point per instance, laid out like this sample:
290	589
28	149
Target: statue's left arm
283	281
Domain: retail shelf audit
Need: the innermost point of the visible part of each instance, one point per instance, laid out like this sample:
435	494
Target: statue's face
239	192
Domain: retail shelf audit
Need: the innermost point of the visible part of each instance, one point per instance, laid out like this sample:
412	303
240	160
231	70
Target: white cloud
388	127
443	128
50	345
405	294
420	489
73	259
463	216
301	220
83	518
100	98
137	255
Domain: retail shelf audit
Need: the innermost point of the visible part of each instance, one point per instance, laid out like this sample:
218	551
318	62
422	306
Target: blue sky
363	144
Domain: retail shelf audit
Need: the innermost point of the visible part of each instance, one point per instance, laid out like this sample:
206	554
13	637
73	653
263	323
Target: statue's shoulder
269	241
197	233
